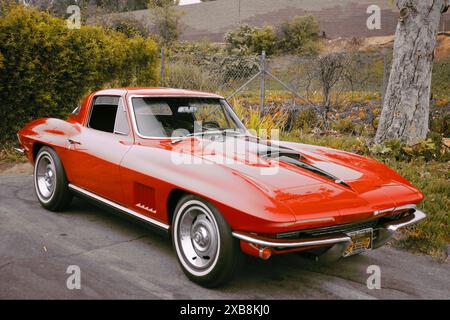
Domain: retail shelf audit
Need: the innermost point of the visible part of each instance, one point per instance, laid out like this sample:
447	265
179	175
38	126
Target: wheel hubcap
198	238
45	177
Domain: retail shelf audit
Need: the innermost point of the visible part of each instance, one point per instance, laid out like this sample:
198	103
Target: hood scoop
292	157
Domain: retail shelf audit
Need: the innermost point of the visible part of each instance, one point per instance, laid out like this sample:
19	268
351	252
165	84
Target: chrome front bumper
338	242
389	229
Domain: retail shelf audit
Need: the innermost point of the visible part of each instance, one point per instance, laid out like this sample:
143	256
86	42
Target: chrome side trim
119	207
417	216
19	150
317	220
378	212
295	244
406	206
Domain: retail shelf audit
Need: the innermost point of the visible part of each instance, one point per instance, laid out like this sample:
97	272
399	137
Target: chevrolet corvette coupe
183	162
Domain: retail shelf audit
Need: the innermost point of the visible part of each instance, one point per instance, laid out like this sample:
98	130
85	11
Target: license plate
361	241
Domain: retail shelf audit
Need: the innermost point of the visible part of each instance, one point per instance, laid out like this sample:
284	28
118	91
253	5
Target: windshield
176	117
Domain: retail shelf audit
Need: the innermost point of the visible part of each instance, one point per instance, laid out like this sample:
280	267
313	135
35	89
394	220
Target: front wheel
50	180
205	247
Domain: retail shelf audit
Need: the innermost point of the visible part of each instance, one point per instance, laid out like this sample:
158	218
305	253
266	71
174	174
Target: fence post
263	82
163	69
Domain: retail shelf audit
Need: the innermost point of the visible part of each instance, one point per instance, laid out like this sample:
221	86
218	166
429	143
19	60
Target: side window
108	114
121	124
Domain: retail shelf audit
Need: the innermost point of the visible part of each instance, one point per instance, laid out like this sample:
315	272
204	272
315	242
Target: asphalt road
121	259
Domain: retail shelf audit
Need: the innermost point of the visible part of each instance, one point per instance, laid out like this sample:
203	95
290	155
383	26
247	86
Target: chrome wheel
197	237
45	177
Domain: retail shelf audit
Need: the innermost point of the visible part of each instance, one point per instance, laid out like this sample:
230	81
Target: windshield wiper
194	134
207	132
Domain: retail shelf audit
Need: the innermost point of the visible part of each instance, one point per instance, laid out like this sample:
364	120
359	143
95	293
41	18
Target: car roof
158	91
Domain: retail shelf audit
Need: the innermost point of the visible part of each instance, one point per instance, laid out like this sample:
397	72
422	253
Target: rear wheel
206	250
50	180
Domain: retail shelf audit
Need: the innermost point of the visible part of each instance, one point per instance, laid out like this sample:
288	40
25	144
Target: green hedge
46	68
298	35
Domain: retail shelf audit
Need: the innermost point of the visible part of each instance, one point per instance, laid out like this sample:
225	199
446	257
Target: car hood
305	177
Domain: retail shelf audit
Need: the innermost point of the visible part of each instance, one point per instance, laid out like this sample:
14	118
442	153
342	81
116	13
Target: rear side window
108	114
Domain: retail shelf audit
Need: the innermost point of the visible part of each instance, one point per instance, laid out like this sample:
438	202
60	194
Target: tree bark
406	104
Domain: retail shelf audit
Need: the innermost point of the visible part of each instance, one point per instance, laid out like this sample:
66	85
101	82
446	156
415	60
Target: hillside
442	51
344	18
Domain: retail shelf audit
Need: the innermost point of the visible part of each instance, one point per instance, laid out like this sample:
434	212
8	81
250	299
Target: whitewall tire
50	181
205	248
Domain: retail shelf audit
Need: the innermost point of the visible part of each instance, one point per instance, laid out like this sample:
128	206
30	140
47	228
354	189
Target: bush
198	51
239	40
190	76
263	39
425	149
131	27
246	40
273	119
346	125
440	79
48	68
305	120
440	123
234	68
208	69
300	35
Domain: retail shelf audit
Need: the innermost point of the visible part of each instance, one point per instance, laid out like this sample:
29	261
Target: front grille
344	228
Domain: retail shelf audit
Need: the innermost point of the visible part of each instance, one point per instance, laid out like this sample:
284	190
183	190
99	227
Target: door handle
71	141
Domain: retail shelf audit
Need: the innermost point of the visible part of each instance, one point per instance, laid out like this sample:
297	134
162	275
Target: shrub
232	68
199	51
239	40
346	125
246	40
305	120
48	68
131	27
165	20
263	39
189	76
440	79
299	35
274	119
208	62
440	123
425	149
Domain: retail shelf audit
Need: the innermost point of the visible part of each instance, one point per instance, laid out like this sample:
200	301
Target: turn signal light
265	253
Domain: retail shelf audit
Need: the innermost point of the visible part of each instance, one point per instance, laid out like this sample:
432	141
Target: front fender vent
144	197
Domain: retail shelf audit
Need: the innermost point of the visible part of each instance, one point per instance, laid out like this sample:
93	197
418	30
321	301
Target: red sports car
183	161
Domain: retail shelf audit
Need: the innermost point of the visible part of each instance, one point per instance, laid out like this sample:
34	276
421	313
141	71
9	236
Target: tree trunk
406	104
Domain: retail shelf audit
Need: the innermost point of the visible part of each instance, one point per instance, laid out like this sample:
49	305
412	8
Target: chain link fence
217	73
303	75
338	85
